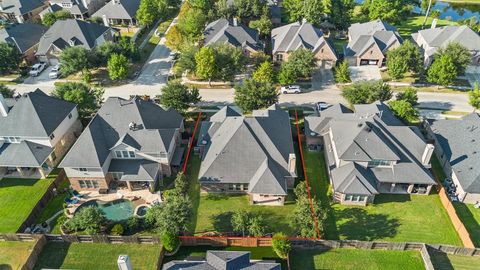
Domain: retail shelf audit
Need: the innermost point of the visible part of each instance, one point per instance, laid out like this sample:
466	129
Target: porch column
392	187
20	171
429	188
410	188
42	172
129	185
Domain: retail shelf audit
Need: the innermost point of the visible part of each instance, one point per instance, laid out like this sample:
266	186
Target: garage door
367	62
53	61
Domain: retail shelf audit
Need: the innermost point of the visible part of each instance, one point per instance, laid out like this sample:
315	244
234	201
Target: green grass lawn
458	262
342	259
256	253
392	218
17	199
96	256
414	23
14	254
471	219
53	206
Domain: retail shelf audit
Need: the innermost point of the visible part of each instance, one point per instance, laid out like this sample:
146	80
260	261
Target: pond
454	11
115	210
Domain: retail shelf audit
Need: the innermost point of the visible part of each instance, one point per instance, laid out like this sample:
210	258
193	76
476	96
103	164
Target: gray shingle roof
252	150
223	31
77	6
135	169
364	136
23	154
296	35
61	32
223	260
24	36
20	7
460	141
34	115
369	28
119	9
441	36
110	127
364	35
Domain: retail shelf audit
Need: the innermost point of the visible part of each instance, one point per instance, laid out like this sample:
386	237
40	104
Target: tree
96	19
302	218
313	11
178	96
117	67
63	14
396	64
257	226
443	70
74	59
224	9
205	59
341	13
174	39
303	60
264	24
49	19
229	61
342	73
106	50
248	10
172	216
413	57
89	219
403	109
409	95
187	61
6	92
264	73
181	183
147	12
87	99
10	58
293	9
240	221
253	95
192	24
287	74
281	245
366	92
474	96
388	10
460	55
129	48
170	241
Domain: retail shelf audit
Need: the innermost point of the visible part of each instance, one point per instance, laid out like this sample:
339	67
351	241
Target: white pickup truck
37	69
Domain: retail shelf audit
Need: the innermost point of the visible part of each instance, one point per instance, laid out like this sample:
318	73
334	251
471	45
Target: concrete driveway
364	73
42	77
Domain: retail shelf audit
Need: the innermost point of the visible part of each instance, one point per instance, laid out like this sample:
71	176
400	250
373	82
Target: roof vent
132	126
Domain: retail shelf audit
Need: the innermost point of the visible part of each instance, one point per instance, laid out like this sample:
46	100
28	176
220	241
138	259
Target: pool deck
138	197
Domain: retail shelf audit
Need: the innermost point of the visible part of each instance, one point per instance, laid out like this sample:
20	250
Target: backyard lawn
57	255
471	219
392	217
256	253
355	259
457	262
414	23
17	199
53	206
14	254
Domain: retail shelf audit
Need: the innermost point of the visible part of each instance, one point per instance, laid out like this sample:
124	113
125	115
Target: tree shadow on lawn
392	198
52	256
15	182
358	224
216	196
222	222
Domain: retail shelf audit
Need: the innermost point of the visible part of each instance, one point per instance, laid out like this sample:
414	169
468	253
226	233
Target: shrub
366	92
170	241
117	229
90	219
281	245
342	73
133	224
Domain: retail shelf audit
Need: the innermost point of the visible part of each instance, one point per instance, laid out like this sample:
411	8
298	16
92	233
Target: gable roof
296	35
20	7
460	142
34	114
224	31
363	36
24	154
23	36
154	131
369	28
119	9
83	34
252	150
441	36
77	7
353	179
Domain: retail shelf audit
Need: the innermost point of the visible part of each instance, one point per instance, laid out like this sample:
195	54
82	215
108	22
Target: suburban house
223	260
23	36
69	33
80	9
368	43
457	146
118	12
430	40
128	143
223	31
20	11
36	130
369	151
248	154
290	37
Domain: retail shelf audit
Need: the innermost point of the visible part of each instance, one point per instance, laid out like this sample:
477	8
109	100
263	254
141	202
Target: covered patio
135	174
25	160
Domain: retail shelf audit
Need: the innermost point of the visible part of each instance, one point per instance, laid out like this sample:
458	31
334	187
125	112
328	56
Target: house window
379	163
321	50
12	139
371	52
70	116
131	154
83	169
279	57
124	154
118	154
354	198
88	183
52	136
245	187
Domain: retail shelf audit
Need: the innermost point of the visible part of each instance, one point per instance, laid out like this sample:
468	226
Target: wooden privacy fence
42	203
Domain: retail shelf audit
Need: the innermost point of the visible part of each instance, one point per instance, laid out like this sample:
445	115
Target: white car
291	89
321	106
55	72
37	69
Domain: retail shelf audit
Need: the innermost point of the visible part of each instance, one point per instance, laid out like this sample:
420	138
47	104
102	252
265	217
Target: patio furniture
71	201
76	194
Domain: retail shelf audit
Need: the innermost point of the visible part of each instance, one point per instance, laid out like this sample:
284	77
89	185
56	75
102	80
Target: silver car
55	72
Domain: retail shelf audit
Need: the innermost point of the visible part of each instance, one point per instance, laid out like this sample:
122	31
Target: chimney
434	23
235	22
427	154
123	263
292	162
3	106
105	20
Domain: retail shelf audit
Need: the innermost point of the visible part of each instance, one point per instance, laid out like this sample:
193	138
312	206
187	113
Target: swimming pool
115	210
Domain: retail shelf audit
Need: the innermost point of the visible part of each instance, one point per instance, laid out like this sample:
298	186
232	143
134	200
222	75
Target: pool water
115	210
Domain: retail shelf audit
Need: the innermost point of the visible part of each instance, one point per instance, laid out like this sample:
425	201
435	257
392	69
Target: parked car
37	69
321	106
55	72
291	89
